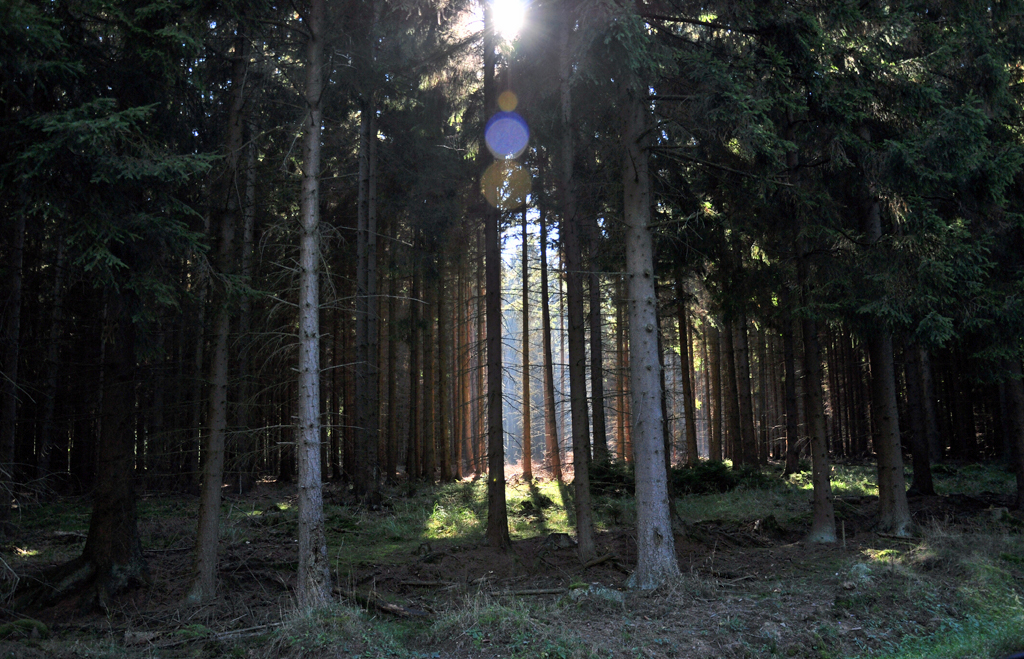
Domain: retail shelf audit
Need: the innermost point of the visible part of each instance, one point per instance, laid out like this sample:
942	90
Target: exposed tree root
93	584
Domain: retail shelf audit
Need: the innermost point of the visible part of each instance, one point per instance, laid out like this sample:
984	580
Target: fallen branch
427	584
532	591
372	601
597	561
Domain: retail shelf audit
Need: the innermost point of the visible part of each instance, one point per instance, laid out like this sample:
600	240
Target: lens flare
506	135
508	101
505	184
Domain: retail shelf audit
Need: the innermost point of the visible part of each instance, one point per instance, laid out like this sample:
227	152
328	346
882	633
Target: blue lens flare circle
506	135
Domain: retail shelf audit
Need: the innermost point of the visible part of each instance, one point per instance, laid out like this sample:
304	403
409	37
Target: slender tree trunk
823	527
444	439
730	397
497	513
428	455
570	234
204	577
412	445
1015	425
600	434
685	361
746	447
931	422
527	446
52	361
367	416
708	405
893	511
656	556
922	483
314	579
716	407
9	382
552	455
792	411
620	371
391	464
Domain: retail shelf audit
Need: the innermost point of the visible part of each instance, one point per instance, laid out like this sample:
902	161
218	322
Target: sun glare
508	17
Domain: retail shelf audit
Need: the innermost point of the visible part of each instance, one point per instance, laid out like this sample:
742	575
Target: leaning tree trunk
570	234
656	555
497	512
552	455
314	578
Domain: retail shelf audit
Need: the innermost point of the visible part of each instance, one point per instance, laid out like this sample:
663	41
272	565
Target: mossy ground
750	586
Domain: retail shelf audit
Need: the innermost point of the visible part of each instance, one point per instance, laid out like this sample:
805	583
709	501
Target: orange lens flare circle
505	184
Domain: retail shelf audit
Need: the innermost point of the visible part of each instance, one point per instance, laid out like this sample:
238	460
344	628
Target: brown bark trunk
823	527
552	455
893	511
571	244
715	408
746	447
922	483
600	433
685	361
527	461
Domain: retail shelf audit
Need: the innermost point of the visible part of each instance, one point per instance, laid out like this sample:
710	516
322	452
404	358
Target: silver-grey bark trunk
314	579
656	556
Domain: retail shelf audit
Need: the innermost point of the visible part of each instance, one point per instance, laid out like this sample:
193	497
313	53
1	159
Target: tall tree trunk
314	579
52	361
600	434
746	447
893	511
9	382
571	244
444	439
551	451
412	445
428	454
685	361
620	370
716	407
204	575
922	483
656	556
730	396
497	512
367	417
792	412
1015	425
708	405
527	462
823	527
931	422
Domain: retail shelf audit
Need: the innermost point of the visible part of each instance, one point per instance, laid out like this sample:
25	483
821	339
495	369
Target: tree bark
893	511
552	454
823	526
444	340
600	434
715	409
792	411
497	512
367	417
527	461
571	244
314	579
9	382
656	557
1015	423
204	576
685	361
922	483
746	447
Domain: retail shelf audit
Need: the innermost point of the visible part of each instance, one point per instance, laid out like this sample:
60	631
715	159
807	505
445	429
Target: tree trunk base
93	584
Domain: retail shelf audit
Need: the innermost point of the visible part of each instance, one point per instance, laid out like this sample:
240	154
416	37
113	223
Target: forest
445	328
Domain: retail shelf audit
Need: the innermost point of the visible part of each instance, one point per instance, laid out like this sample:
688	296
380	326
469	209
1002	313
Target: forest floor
413	579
